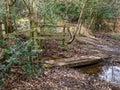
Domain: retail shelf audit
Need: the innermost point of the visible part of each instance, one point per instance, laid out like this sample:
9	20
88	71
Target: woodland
59	44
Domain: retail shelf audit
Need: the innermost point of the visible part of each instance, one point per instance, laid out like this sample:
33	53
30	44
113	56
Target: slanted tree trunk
78	24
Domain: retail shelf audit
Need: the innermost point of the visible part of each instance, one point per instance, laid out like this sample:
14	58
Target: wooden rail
38	34
58	36
48	25
18	33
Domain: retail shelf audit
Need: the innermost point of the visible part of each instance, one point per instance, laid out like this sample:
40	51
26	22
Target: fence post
34	38
40	42
31	37
41	46
1	31
63	38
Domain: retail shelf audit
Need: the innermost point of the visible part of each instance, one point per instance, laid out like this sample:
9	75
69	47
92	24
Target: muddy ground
59	78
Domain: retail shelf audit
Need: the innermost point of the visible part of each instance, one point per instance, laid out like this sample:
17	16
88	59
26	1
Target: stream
107	72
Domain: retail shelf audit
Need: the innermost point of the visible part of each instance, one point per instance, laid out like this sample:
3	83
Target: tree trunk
78	24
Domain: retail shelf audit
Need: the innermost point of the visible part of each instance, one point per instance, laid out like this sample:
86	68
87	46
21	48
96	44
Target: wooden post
35	41
41	31
31	37
63	38
41	45
1	31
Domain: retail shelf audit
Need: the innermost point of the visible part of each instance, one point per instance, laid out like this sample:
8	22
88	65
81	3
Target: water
110	73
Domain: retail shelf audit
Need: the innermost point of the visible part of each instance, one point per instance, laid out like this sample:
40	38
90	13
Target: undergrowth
19	55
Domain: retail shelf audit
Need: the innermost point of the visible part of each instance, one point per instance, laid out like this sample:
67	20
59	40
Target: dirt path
103	45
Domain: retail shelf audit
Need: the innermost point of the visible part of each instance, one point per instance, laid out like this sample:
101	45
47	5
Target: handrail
49	25
18	32
35	29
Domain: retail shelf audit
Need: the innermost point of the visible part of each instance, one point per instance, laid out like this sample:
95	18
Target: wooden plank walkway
77	61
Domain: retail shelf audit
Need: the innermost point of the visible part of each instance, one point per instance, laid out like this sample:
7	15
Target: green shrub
18	55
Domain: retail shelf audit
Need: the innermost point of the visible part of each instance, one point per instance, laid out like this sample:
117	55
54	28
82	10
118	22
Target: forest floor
61	78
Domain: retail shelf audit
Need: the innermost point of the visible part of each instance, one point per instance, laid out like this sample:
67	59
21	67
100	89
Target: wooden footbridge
77	61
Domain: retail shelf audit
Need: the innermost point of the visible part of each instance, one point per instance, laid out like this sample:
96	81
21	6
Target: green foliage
3	43
105	10
53	11
49	11
18	56
101	10
60	9
73	10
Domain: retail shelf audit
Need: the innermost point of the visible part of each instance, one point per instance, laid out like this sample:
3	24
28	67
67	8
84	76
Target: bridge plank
77	61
